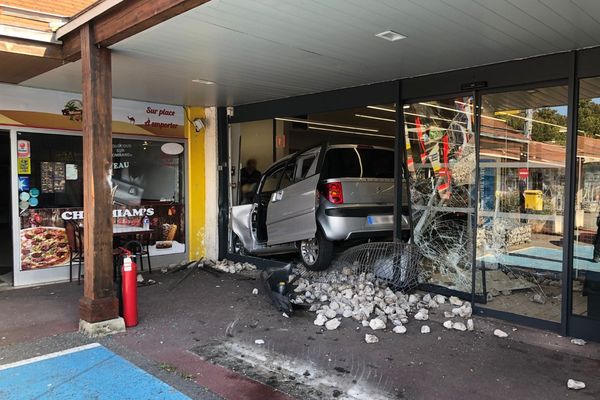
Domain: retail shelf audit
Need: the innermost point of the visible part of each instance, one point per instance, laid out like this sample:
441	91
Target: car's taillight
333	192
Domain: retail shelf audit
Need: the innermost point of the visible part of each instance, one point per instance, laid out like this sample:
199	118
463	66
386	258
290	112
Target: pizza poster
44	243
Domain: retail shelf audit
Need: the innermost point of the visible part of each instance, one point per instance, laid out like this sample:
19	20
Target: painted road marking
85	372
49	356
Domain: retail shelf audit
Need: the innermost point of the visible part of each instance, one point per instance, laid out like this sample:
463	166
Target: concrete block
102	328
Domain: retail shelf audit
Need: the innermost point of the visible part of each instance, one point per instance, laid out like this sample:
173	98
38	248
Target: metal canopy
269	49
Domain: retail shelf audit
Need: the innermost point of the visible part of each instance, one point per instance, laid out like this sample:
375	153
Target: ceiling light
305	121
380	108
349	132
374	117
203	82
390	36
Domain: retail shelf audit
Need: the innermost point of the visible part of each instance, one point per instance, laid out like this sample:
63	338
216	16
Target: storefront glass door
522	161
586	241
440	156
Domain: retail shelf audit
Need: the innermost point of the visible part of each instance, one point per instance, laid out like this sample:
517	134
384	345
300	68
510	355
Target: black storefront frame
511	75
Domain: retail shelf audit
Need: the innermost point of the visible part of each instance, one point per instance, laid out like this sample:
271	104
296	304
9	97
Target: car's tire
237	246
317	253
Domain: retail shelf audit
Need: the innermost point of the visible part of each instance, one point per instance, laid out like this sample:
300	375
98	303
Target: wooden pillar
98	302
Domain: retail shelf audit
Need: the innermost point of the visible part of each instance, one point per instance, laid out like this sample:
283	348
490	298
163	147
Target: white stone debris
499	333
332	324
463	311
422	315
578	342
455	301
320	320
285	315
376	324
413	298
139	278
459	326
368	300
470	325
371	338
447	324
399	329
259	341
255	291
575	385
231	267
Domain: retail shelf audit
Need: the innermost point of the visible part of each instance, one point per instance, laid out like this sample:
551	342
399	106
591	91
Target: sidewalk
203	332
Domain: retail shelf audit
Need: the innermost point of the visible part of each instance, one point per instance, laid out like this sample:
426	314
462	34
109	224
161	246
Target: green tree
543	132
589	118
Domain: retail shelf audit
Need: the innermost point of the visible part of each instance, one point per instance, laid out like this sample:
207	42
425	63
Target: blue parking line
89	372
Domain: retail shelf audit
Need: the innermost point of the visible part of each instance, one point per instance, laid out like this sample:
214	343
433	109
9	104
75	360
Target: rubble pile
232	267
370	302
503	233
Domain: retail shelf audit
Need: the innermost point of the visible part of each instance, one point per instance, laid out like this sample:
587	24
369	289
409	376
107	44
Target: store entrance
6	259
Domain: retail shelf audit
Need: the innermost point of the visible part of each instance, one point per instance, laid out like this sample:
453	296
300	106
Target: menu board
52	177
46	177
58	183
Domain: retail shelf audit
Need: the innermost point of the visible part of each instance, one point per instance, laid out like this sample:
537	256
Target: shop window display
147	190
521	201
440	151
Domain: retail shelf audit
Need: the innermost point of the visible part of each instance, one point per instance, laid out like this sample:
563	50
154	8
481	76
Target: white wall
211	160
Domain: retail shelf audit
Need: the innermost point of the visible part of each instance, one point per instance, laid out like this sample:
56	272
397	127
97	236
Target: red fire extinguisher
129	290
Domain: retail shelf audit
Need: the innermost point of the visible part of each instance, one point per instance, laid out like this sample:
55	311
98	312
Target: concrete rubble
232	267
362	298
575	385
371	338
500	333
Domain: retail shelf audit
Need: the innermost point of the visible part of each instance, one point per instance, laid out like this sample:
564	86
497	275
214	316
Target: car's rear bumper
345	223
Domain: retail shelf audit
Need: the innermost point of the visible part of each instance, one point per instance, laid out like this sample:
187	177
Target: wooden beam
125	20
98	302
9	44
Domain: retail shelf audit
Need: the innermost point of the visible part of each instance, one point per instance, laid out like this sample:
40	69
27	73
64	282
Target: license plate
380	219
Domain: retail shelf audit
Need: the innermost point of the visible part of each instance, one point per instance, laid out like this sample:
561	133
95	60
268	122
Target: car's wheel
316	253
238	246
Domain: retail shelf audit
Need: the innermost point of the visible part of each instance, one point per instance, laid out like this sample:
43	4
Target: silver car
309	201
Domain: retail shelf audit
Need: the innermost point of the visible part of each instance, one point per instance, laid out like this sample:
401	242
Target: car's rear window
358	163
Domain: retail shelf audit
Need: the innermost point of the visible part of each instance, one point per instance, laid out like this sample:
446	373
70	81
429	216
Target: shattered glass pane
441	163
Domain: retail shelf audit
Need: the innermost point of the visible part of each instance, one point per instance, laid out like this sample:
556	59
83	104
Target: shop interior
6	236
506	230
256	145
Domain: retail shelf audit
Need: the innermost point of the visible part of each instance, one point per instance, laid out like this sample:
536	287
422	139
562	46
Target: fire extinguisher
129	290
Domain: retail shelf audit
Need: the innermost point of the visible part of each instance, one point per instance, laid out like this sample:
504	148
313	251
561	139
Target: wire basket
395	263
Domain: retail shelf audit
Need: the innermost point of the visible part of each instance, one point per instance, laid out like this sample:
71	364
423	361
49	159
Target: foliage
588	123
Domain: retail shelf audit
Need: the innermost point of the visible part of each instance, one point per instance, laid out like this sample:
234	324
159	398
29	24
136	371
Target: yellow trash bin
533	200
